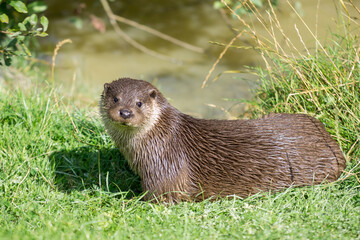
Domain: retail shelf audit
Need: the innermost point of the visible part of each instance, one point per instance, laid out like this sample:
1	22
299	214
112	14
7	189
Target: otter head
129	102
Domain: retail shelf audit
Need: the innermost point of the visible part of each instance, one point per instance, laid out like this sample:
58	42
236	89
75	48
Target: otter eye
116	99
139	104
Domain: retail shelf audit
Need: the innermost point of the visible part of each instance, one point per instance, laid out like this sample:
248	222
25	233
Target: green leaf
26	50
19	6
44	22
42	34
22	26
4	18
7	59
37	7
12	43
33	19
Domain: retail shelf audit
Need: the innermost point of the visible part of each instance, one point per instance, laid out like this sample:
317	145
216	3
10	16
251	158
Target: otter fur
179	157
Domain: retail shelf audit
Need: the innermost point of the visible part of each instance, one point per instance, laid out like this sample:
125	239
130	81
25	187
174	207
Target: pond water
94	58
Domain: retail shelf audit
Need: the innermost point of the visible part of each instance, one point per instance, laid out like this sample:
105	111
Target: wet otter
179	157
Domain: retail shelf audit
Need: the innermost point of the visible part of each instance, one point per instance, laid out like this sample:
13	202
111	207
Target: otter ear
152	93
106	87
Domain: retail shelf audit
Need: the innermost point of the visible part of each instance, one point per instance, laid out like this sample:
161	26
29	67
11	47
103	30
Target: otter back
179	157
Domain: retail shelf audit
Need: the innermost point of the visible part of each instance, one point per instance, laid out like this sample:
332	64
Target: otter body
179	157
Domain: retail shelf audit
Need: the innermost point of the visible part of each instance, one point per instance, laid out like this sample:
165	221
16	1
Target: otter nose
124	113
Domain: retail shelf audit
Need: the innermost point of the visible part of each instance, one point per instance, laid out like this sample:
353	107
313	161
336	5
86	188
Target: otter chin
182	158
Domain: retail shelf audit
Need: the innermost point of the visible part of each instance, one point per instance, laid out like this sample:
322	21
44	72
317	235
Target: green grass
62	182
325	85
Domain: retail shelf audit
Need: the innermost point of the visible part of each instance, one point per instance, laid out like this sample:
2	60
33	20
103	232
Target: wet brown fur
179	157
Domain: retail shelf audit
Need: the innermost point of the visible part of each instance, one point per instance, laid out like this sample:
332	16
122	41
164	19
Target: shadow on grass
91	168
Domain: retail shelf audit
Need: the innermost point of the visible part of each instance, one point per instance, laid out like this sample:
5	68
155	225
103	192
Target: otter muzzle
125	114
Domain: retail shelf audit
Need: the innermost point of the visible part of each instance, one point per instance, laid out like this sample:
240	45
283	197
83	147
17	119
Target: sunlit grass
61	182
326	87
62	178
322	81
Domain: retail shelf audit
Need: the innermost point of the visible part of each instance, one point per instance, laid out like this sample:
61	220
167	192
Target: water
95	58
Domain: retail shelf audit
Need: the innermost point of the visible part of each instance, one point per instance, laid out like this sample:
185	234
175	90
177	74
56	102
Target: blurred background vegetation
100	53
20	22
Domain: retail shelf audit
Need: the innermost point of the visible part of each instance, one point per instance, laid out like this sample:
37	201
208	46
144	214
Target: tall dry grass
322	81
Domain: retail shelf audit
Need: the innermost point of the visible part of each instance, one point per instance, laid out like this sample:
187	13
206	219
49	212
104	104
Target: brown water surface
94	58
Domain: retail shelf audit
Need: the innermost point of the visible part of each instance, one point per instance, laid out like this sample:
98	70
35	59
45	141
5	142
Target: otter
182	158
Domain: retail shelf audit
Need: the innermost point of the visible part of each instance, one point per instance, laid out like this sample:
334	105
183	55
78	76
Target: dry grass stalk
219	58
58	46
